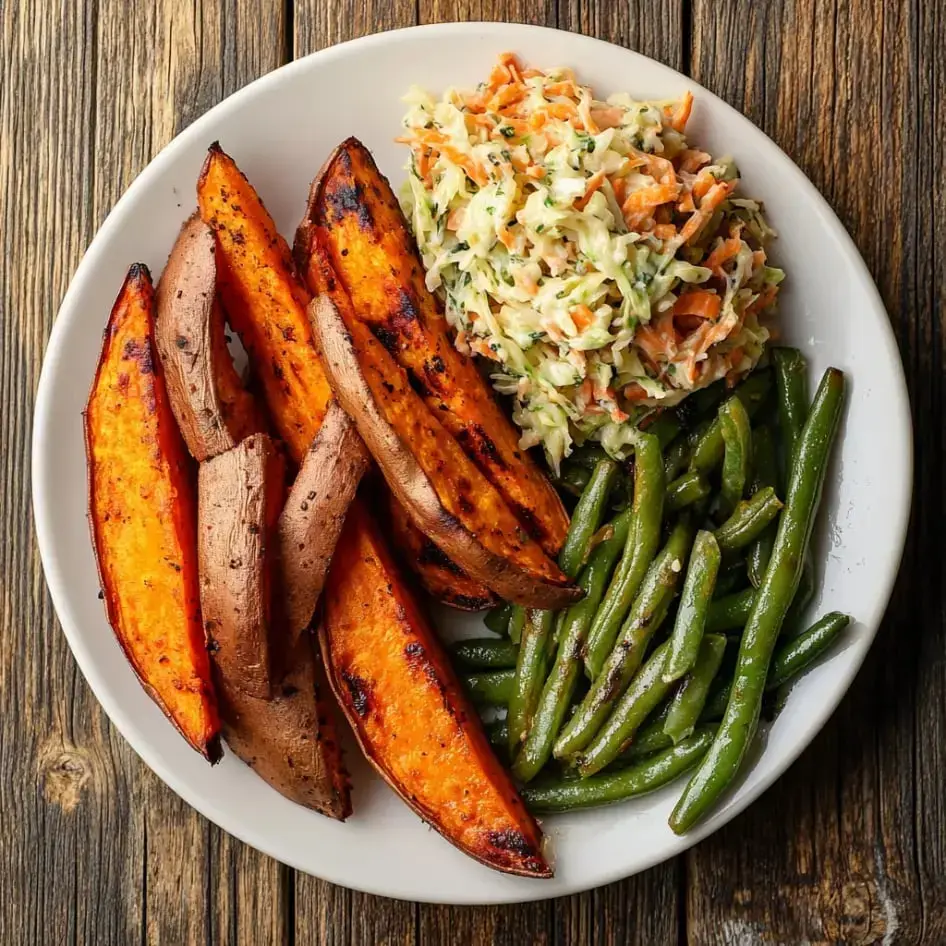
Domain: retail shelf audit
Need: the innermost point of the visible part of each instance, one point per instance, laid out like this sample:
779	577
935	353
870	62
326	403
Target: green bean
797	654
650	737
810	462
765	473
665	428
693	607
676	458
484	653
489	688
790	660
791	383
737	446
561	794
732	578
646	615
535	645
643	695
643	538
588	456
574	478
806	591
749	520
690	698
516	623
587	517
709	448
731	612
686	490
715	707
696	406
560	686
497	619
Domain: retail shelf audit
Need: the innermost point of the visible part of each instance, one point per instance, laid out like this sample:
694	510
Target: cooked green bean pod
643	538
646	615
810	462
695	601
562	794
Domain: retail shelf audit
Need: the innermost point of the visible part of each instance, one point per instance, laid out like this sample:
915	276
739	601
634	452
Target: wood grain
849	847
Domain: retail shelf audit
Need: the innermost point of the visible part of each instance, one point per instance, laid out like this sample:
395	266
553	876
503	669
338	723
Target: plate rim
52	356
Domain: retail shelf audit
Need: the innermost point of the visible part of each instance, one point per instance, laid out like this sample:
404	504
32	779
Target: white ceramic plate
279	130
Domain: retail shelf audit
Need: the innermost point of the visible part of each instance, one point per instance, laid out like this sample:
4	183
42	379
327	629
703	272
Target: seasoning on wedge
356	216
442	490
408	710
143	517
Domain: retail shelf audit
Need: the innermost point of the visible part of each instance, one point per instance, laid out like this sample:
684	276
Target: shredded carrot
634	392
722	254
686	205
511	62
704	181
644	198
681	114
714	197
690	161
699	302
665	231
455	220
607	117
582	316
762	301
525	282
535	172
594	182
758	259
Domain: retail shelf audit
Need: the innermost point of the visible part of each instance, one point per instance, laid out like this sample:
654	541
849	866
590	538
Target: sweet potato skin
314	513
240	495
356	216
265	301
142	514
409	712
210	404
289	740
443	492
438	575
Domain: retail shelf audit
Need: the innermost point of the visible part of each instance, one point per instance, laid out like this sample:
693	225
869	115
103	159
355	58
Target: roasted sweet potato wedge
438	575
312	518
240	495
443	491
270	704
289	740
143	516
265	301
356	215
212	408
409	712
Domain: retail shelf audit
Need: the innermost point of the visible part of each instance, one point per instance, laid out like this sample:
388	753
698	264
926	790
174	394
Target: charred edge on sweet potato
409	712
355	214
436	572
443	491
265	300
142	515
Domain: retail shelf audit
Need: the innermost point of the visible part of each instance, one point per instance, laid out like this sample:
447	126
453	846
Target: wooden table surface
849	847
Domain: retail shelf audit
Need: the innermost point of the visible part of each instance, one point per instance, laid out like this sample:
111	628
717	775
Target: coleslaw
604	266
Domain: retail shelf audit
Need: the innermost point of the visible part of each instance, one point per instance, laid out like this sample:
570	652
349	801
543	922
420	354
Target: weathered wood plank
93	847
845	848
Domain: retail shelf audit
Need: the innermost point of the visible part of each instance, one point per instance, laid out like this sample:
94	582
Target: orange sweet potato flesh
437	573
409	712
357	217
265	301
444	492
143	517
